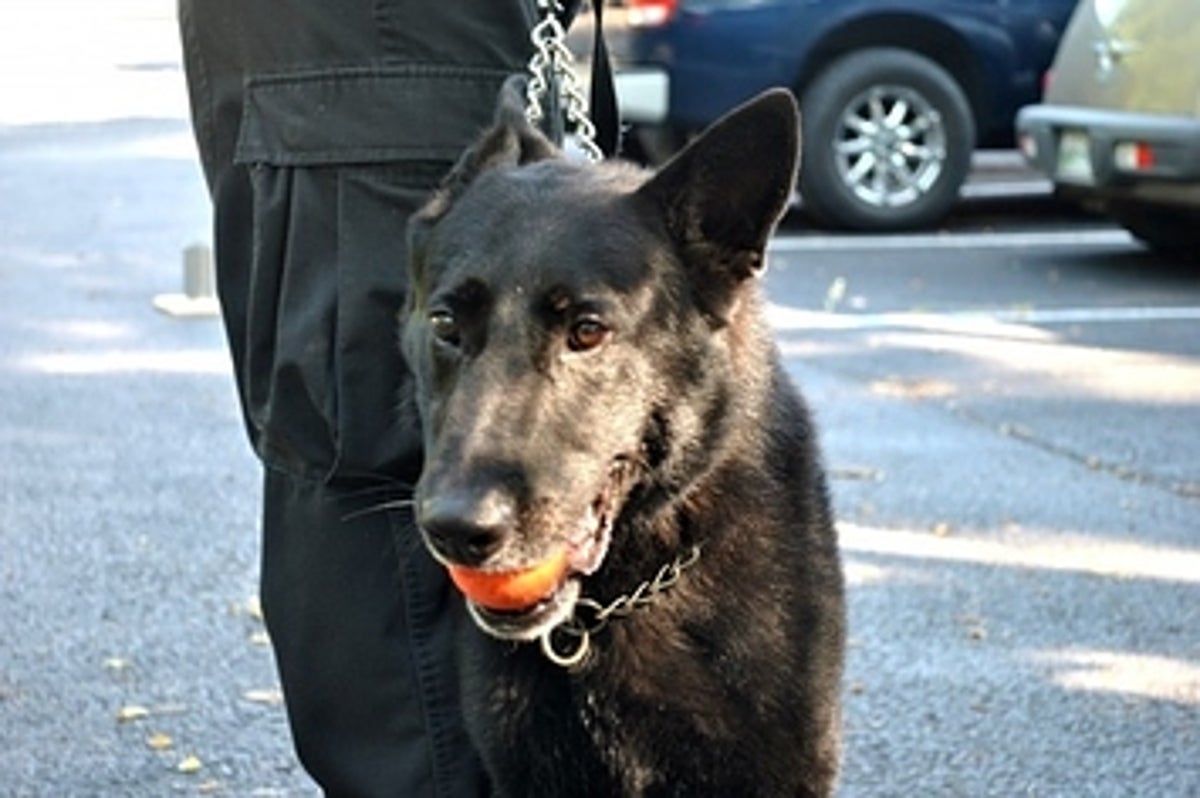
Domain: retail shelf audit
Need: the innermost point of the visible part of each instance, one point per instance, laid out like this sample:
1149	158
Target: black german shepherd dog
594	376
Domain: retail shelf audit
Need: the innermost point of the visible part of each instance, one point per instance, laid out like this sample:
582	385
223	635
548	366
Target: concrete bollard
199	279
199	297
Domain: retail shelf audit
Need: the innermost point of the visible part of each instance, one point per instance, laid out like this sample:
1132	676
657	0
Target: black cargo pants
321	126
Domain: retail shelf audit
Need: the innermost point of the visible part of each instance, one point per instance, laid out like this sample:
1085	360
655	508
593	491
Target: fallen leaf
259	638
159	741
189	764
834	294
269	696
116	664
132	712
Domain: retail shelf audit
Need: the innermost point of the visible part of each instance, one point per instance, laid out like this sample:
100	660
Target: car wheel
887	142
1168	231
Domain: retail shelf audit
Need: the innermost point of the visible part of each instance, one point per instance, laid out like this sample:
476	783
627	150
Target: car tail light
1133	156
650	13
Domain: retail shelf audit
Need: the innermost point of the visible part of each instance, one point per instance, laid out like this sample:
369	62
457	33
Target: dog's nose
467	527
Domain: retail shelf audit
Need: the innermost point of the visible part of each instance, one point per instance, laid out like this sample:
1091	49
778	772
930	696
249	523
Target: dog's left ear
722	196
510	141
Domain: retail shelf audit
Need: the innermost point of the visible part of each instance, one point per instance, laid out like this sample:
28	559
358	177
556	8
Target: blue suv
894	94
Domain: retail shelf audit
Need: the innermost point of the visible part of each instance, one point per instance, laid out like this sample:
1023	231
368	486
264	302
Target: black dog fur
593	372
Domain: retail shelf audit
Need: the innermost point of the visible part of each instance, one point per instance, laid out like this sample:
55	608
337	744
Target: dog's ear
510	141
723	194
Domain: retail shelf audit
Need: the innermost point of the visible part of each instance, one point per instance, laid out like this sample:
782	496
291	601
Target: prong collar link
569	643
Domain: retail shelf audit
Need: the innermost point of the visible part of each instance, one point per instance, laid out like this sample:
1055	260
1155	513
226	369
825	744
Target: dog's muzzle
475	538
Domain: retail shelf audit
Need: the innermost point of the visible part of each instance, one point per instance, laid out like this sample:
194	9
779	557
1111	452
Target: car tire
887	141
1167	231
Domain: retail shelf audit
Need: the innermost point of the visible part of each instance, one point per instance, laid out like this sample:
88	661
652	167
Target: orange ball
510	590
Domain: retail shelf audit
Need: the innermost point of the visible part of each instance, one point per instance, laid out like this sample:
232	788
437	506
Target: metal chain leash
552	68
578	631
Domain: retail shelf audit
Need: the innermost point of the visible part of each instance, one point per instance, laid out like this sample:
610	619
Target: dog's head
574	331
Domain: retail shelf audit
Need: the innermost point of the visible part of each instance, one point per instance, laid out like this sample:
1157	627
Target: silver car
1119	128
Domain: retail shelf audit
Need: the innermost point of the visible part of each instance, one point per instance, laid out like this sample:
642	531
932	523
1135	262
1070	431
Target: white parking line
783	317
1073	554
1006	189
1097	314
980	240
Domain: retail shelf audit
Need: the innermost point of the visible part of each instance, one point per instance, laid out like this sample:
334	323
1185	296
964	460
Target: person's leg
371	693
321	127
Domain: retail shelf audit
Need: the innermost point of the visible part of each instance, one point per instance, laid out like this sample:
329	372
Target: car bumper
643	95
1152	157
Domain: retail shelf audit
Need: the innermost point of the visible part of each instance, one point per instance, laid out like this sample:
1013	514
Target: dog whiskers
394	486
382	507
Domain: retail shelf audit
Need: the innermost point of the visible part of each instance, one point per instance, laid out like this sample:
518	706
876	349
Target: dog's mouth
552	590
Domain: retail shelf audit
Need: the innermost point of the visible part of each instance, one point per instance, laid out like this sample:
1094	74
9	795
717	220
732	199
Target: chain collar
552	69
569	643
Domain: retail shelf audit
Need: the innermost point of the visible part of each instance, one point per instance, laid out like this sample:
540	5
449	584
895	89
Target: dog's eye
444	327
587	333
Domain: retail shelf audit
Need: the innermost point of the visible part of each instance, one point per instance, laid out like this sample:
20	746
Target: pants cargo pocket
338	160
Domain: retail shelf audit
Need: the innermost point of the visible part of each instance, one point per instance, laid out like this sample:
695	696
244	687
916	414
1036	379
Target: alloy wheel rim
890	146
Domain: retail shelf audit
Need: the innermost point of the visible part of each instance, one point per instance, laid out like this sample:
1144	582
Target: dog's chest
610	730
620	752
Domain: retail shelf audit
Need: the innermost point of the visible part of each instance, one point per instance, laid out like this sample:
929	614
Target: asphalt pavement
132	658
1010	418
1009	405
